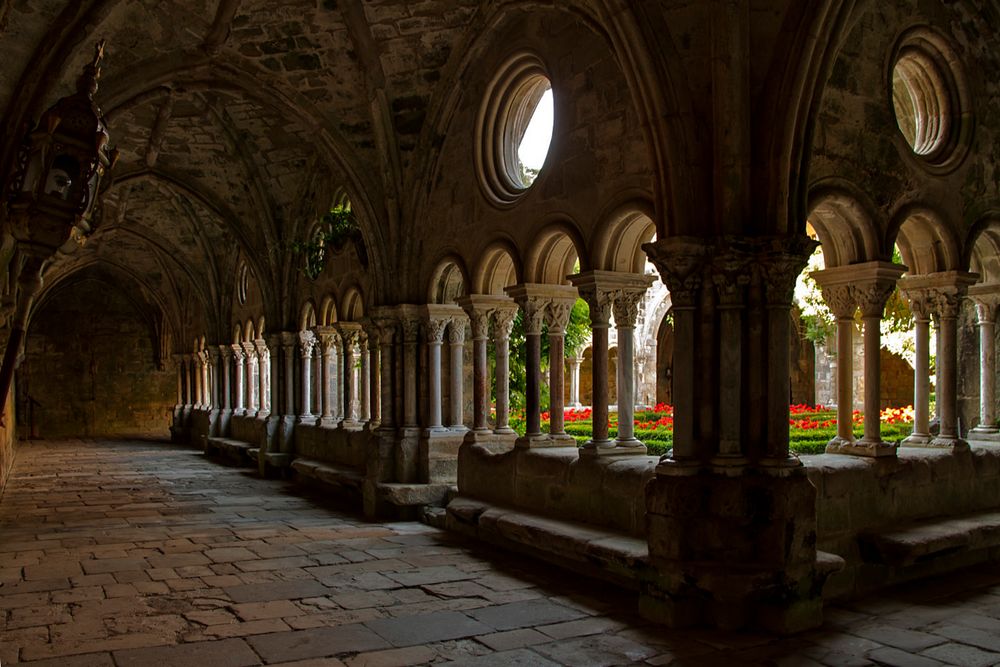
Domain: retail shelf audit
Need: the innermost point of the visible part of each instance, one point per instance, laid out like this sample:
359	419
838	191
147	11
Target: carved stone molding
557	316
626	306
456	330
503	320
681	262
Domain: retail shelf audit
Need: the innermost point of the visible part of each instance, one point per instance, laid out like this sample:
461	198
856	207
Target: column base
285	433
563	439
986	435
536	441
952	442
460	428
328	422
308	420
504	430
351	425
263	415
861	448
610	448
917	440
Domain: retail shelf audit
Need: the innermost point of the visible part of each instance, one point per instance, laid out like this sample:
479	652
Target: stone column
328	340
179	407
263	378
948	302
872	296
944	291
411	334
375	378
307	343
921	306
503	323
350	334
557	317
227	355
206	385
364	390
386	334
626	310
533	303
574	381
274	375
986	307
240	394
600	301
289	343
251	378
840	300
479	319
456	393
195	363
434	330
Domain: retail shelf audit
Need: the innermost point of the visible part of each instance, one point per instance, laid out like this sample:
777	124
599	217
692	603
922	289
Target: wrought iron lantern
53	190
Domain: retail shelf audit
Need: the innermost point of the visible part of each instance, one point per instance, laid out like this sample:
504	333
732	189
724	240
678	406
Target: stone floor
144	553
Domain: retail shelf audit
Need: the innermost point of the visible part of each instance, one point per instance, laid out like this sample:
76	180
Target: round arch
554	253
845	223
618	244
328	310
449	281
497	268
925	241
307	316
352	305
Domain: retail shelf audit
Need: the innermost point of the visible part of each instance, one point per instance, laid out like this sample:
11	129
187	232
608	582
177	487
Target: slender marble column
557	315
179	360
375	379
948	301
574	381
411	332
872	297
841	301
206	386
350	338
456	349
479	318
600	301
263	381
328	341
364	391
434	329
196	373
307	342
274	375
626	310
387	332
921	307
987	308
289	343
534	310
238	357
251	379
503	322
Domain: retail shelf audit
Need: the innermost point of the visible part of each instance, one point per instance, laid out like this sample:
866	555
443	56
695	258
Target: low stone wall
332	445
557	483
857	495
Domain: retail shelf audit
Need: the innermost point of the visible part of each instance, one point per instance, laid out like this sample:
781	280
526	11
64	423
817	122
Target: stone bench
593	550
926	541
277	460
347	478
236	450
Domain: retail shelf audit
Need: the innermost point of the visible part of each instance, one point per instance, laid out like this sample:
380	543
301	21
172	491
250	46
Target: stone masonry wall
92	375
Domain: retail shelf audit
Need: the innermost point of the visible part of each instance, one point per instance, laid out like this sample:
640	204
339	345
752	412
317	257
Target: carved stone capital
600	302
479	321
434	329
503	320
872	295
840	300
226	351
238	353
626	307
986	308
535	309
557	315
782	260
681	263
411	329
921	302
731	271
948	302
456	330
307	342
263	351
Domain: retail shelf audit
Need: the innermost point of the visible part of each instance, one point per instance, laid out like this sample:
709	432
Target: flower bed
810	426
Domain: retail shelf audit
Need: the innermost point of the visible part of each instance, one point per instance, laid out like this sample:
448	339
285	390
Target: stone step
329	473
926	540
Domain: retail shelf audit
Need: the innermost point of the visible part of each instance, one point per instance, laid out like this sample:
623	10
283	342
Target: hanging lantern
54	188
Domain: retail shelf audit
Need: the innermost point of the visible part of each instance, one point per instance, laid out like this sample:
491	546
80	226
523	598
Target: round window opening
515	127
929	100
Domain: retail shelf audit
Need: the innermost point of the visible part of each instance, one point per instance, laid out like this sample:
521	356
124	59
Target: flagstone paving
134	553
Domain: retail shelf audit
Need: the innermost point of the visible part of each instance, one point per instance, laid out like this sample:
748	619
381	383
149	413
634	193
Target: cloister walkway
145	553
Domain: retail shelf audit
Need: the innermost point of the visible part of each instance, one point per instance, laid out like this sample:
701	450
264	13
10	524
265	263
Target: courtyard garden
810	426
